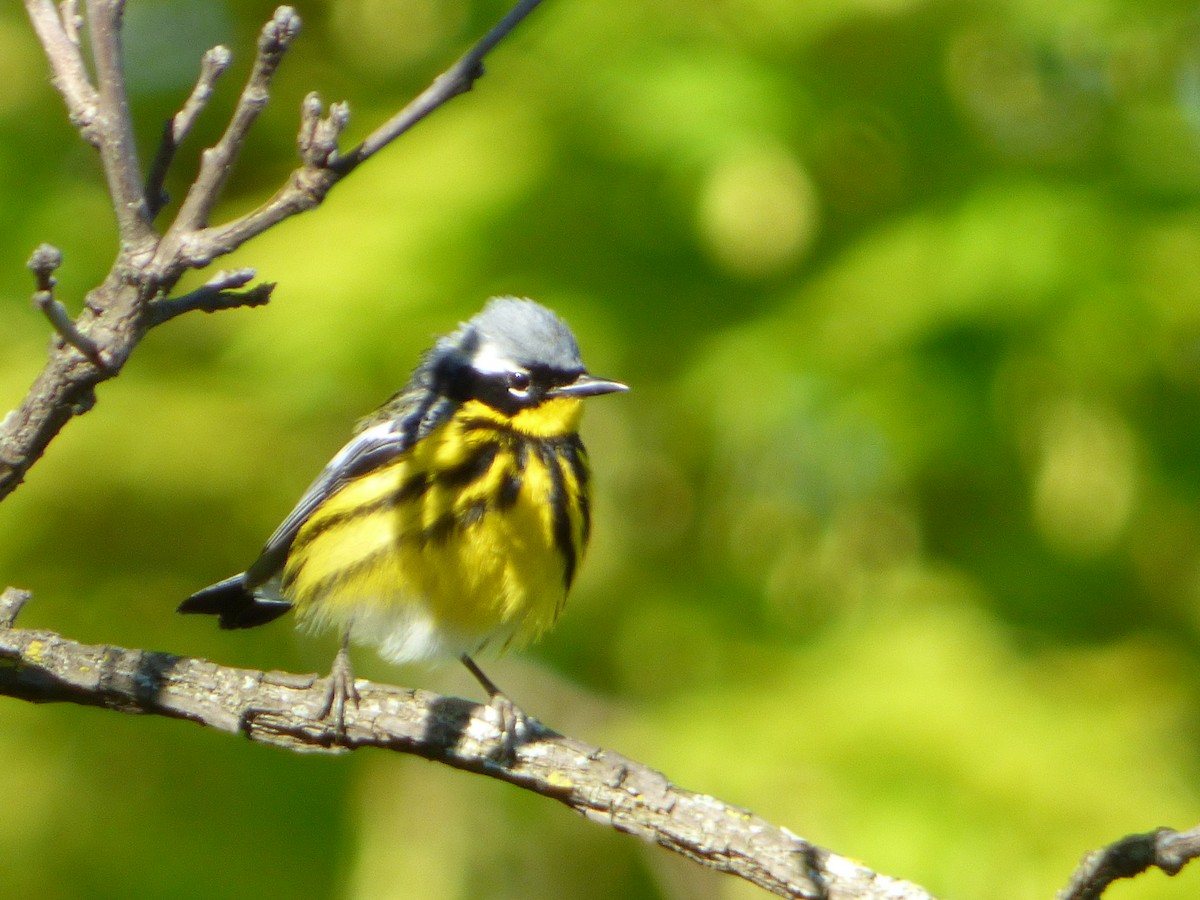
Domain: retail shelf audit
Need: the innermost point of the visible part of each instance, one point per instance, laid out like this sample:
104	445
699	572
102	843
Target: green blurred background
898	537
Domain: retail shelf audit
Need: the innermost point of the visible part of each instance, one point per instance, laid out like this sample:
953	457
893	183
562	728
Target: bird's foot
339	689
510	720
514	725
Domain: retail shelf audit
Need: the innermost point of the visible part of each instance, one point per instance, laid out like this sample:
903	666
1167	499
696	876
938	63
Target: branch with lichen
285	711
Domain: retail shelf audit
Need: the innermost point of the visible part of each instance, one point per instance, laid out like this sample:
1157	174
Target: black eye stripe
515	389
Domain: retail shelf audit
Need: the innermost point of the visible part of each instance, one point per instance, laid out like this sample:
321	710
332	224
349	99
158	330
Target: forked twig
147	268
216	162
212	65
44	261
218	293
59	35
308	186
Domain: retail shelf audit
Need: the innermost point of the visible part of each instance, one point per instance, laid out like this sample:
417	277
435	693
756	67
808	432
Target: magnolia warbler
456	516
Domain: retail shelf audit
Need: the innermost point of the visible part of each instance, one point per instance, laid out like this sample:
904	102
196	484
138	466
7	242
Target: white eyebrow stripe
490	362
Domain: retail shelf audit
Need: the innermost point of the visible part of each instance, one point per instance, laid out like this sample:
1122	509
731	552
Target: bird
455	518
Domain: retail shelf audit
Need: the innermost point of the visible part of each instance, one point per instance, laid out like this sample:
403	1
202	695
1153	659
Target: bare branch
458	79
216	162
318	139
59	36
42	263
281	709
65	388
305	189
12	601
71	21
118	152
118	312
1163	848
308	185
219	293
176	129
100	112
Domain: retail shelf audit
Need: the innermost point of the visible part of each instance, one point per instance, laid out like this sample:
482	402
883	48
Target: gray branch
458	79
44	261
220	292
114	124
1163	848
324	167
59	36
282	710
216	163
212	65
135	295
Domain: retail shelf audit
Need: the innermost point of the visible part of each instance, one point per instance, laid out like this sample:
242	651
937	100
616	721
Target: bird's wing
367	450
410	415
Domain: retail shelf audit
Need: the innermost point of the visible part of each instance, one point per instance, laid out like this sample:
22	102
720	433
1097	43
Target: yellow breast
473	536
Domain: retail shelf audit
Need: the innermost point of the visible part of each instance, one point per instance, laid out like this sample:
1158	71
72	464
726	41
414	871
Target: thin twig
118	152
1163	848
12	601
58	316
212	65
318	139
59	37
458	79
216	162
217	294
120	309
44	261
71	21
308	185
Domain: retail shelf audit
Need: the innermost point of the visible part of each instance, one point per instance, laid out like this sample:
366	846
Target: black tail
237	605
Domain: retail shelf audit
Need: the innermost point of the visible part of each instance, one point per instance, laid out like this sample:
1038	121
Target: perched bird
455	518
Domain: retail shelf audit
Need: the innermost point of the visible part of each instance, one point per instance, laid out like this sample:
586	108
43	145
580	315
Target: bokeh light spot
1085	484
757	212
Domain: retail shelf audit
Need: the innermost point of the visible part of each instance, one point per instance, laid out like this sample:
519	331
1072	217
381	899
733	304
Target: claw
511	721
340	688
513	725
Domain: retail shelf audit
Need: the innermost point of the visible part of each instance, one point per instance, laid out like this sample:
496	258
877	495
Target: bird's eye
518	382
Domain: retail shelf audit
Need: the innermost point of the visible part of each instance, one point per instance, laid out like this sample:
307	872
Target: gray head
513	355
513	330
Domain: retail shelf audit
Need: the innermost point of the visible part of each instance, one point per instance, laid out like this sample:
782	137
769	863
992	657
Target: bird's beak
587	386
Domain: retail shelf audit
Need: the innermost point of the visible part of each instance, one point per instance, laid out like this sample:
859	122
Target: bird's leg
340	688
512	721
487	683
